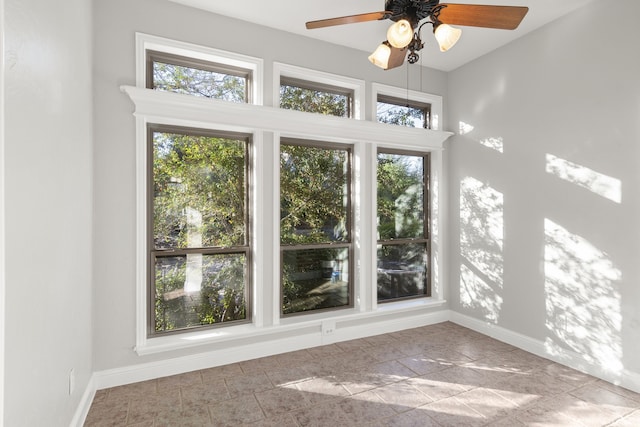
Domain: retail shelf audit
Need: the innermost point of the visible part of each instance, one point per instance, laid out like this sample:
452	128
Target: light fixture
380	57
446	35
400	34
387	56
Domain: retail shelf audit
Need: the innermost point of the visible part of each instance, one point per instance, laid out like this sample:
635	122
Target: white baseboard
627	379
345	330
85	404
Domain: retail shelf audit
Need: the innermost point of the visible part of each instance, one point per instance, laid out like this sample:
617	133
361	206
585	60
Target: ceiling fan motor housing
413	11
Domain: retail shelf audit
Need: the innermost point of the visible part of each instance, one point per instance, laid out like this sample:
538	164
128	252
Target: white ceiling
291	15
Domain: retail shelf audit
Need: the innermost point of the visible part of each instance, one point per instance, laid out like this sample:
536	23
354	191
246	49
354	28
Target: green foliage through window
403	243
199	245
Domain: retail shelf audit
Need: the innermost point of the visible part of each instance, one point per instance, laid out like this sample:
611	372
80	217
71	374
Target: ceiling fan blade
477	15
351	19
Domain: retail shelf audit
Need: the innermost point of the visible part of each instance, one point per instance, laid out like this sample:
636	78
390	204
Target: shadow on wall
481	246
582	296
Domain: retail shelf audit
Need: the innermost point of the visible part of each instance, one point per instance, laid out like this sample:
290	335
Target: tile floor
438	375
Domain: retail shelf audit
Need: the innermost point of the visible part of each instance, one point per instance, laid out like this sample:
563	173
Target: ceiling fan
403	35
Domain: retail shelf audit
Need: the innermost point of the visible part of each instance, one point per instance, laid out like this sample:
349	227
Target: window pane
400	196
199	82
314	279
314	101
198	191
409	116
196	289
402	270
314	194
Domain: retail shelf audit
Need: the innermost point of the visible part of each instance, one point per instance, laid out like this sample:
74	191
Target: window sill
244	334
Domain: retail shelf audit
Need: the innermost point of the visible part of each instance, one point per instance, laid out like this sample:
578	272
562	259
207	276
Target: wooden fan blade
477	15
351	19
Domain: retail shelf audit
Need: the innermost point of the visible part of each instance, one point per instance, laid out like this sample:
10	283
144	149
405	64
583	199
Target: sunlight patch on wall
582	299
464	128
493	143
481	247
596	182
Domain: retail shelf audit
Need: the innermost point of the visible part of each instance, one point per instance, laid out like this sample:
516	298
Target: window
311	97
315	226
198	228
174	73
403	225
403	112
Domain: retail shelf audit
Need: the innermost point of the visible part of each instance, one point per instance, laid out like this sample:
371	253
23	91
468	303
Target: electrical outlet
72	381
328	327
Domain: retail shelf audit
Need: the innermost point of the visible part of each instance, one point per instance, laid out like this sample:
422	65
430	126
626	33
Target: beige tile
260	365
247	384
220	372
568	375
450	412
365	408
402	396
325	351
108	413
488	403
289	376
437	375
631	420
205	394
605	399
243	409
322	415
413	418
436	388
286	420
135	389
174	382
152	406
317	390
619	390
423	364
278	401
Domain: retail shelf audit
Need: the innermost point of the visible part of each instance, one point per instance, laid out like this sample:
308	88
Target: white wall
546	183
48	204
116	22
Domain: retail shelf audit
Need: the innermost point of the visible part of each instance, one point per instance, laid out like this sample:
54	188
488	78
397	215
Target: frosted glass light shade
400	34
380	57
447	36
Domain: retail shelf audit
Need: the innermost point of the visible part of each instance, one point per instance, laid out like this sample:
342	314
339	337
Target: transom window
199	252
180	74
315	226
403	226
401	112
312	97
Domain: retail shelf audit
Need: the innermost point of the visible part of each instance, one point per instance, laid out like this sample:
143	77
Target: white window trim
146	42
411	95
184	110
268	125
292	71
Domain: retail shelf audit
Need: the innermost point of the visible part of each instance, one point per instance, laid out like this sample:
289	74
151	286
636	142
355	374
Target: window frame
322	80
320	87
199	54
153	253
268	124
407	103
350	223
411	96
426	232
188	62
